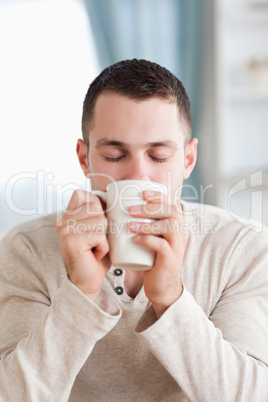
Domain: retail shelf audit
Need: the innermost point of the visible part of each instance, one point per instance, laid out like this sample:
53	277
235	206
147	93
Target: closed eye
108	159
118	158
159	160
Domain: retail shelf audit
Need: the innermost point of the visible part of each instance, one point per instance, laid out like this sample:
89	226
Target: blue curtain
168	32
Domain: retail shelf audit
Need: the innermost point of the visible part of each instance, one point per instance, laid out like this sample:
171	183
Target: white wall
48	60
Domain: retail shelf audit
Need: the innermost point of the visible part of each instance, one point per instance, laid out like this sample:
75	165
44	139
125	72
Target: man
194	327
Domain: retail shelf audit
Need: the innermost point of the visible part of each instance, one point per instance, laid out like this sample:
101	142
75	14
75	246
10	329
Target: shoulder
222	228
34	226
30	253
222	252
38	236
218	219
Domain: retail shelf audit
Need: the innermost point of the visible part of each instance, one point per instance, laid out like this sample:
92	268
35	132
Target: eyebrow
105	142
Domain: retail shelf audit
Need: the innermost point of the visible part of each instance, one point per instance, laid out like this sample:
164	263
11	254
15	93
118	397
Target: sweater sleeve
223	356
44	343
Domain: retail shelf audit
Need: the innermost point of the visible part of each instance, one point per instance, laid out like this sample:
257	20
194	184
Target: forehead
110	100
118	117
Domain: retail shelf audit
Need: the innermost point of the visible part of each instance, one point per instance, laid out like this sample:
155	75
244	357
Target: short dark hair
139	80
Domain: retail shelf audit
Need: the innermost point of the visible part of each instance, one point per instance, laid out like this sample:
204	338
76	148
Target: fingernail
149	193
135	208
137	238
133	224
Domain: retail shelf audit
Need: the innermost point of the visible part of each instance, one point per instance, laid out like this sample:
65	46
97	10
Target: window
48	59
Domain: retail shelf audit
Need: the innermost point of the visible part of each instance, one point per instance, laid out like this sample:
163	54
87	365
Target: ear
81	150
190	158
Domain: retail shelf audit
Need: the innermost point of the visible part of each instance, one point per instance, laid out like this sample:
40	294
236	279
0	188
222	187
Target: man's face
138	140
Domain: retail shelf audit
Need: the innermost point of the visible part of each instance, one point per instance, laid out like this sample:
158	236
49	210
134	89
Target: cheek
175	174
101	174
170	175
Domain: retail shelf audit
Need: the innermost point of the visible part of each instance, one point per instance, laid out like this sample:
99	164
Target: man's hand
84	245
162	284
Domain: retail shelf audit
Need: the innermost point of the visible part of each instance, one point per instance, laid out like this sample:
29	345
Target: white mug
119	196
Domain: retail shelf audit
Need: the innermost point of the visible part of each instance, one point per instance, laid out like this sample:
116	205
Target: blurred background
51	50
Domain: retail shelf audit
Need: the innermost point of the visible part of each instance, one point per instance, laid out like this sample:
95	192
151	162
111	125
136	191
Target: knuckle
152	209
105	246
174	210
78	194
156	227
164	246
95	205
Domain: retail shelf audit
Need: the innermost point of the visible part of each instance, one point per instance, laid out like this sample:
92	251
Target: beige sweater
210	345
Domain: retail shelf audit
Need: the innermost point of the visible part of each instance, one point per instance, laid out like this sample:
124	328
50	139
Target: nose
136	169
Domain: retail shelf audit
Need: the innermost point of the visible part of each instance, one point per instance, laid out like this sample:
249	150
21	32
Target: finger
155	228
167	228
155	210
80	197
158	197
92	209
101	250
155	243
79	243
84	227
162	246
84	211
154	196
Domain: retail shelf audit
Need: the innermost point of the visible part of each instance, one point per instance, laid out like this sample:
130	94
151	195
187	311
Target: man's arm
47	330
223	356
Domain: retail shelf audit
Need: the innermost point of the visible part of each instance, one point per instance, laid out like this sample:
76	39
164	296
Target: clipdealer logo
46	196
253	184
